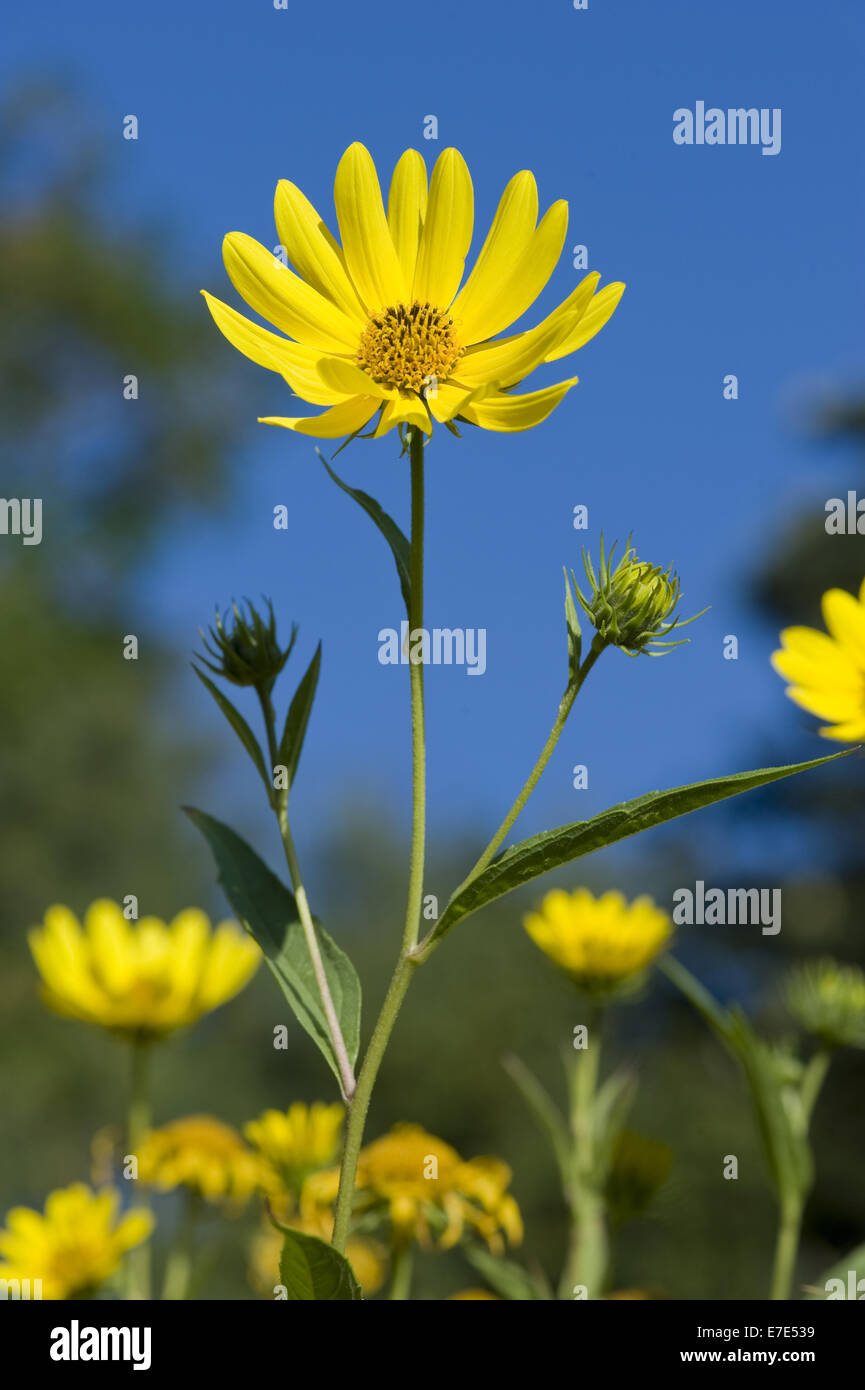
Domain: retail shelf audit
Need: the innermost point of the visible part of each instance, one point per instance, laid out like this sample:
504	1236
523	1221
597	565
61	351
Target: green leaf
505	1277
239	725
311	1270
545	1111
297	718
398	542
553	848
575	636
268	911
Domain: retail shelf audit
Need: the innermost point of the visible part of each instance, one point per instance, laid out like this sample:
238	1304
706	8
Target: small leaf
545	1111
398	542
311	1270
552	848
505	1277
239	725
297	718
575	636
268	911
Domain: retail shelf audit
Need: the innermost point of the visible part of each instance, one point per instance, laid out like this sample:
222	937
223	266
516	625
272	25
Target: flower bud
244	647
828	1000
633	605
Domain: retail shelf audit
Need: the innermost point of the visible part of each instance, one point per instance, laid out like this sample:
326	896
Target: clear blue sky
734	262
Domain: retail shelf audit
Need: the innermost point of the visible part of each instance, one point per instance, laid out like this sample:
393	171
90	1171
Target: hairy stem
405	967
279	802
588	1249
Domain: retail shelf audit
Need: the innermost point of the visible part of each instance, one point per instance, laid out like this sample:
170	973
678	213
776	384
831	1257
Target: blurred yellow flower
380	326
205	1155
139	980
299	1140
423	1187
473	1294
75	1246
601	943
827	671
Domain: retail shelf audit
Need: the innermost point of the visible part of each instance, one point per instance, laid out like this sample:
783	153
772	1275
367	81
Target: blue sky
734	262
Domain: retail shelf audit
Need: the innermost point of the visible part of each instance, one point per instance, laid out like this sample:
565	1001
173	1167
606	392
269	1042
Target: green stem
588	1248
279	802
565	707
401	1272
786	1247
405	966
178	1268
418	742
812	1081
138	1123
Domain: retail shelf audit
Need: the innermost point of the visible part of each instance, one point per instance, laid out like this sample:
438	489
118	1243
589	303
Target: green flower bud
244	647
828	1000
632	606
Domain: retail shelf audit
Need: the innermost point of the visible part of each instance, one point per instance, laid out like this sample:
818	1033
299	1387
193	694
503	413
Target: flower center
409	346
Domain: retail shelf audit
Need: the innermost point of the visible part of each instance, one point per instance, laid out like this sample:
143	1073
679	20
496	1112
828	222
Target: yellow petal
406	409
527	279
508	414
845	619
592	321
406	209
345	418
510	360
510	234
343	376
447	232
851	732
452	397
804	670
296	363
367	243
827	704
313	251
281	297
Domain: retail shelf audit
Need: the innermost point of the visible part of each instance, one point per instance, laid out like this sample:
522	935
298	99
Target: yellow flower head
205	1155
602	943
423	1186
827	671
297	1141
379	325
75	1245
140	979
466	1294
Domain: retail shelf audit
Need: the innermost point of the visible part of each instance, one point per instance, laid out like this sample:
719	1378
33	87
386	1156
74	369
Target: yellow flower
602	943
75	1246
205	1155
473	1294
140	980
298	1140
366	1257
380	326
827	671
423	1186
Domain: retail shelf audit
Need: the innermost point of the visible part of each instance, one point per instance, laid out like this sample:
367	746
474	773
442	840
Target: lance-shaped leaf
311	1270
268	911
553	848
398	542
509	1279
239	725
297	718
546	1113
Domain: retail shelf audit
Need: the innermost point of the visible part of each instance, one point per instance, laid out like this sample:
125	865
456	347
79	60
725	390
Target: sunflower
297	1141
602	943
140	980
420	1185
379	325
75	1245
204	1155
827	671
